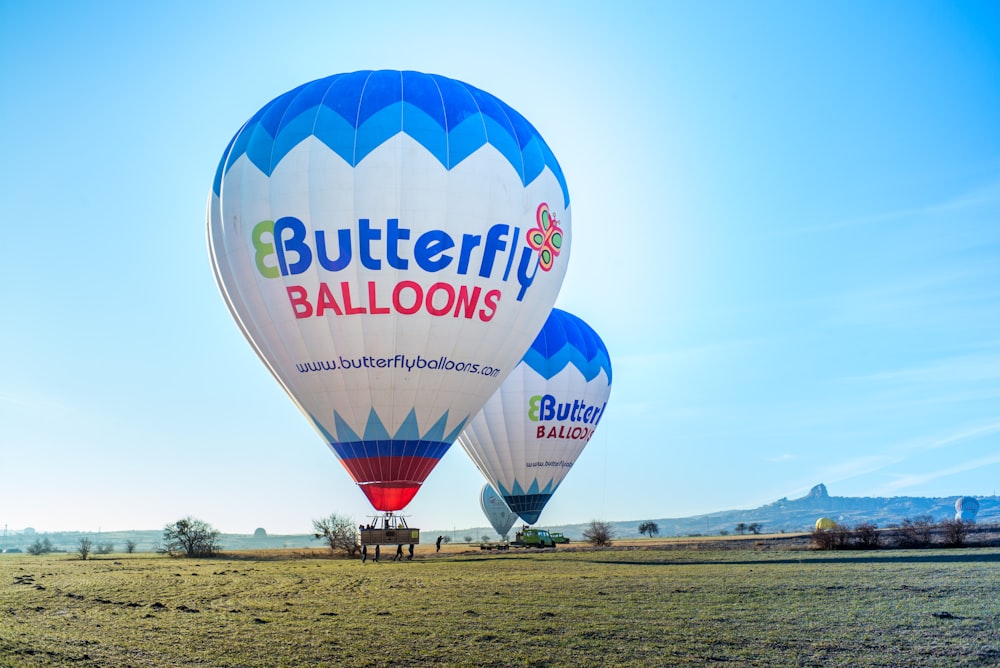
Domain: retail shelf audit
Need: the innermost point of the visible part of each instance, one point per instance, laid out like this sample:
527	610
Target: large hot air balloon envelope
531	431
389	243
825	524
495	508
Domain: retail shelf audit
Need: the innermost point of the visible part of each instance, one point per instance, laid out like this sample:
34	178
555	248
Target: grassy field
624	606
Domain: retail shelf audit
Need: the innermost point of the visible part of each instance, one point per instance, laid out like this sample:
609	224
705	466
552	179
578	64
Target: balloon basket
388	529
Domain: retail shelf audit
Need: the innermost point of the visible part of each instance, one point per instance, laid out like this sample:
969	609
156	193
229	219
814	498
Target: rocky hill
794	515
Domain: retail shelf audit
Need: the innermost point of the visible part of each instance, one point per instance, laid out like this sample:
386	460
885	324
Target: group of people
397	557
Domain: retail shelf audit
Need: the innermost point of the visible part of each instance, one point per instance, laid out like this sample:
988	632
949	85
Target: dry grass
647	603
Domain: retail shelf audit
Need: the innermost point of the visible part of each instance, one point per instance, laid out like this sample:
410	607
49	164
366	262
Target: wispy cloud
855	467
960	436
983	196
22	400
910	480
892	458
960	369
708	351
956	290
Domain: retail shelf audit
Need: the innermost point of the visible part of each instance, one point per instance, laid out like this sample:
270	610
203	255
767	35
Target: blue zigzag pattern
355	113
528	504
377	442
566	339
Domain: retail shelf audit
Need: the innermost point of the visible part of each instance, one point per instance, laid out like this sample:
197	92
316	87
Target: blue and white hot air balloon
389	243
495	508
531	431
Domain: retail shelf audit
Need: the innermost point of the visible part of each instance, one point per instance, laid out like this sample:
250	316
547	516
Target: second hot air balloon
389	243
531	431
495	508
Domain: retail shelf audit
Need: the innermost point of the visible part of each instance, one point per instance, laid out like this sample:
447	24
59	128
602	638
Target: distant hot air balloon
495	508
531	431
825	524
966	508
389	243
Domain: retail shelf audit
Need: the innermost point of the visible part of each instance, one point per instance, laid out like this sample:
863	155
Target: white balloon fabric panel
532	430
495	508
966	509
389	243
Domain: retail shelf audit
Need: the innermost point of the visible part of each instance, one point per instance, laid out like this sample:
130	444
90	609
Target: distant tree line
910	533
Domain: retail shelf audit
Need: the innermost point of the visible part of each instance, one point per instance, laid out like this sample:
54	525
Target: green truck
528	537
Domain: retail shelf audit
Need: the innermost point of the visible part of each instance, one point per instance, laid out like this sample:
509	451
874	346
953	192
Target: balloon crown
565	340
356	112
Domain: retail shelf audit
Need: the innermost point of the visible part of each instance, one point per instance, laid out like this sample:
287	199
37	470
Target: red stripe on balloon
389	482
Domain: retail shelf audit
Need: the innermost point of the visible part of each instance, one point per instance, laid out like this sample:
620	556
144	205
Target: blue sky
786	229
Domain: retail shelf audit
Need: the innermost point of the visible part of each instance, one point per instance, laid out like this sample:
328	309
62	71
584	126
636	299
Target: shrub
823	539
599	533
867	536
83	549
339	533
190	537
955	532
40	546
915	532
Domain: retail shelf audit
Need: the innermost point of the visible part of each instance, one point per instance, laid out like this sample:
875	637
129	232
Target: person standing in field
437	545
409	557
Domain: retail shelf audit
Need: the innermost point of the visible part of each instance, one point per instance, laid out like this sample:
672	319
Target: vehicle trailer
494	546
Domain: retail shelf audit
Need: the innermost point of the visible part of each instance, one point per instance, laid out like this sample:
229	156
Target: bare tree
915	532
955	532
649	528
867	536
755	527
41	546
823	539
741	528
841	536
83	549
339	533
599	533
130	546
190	537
